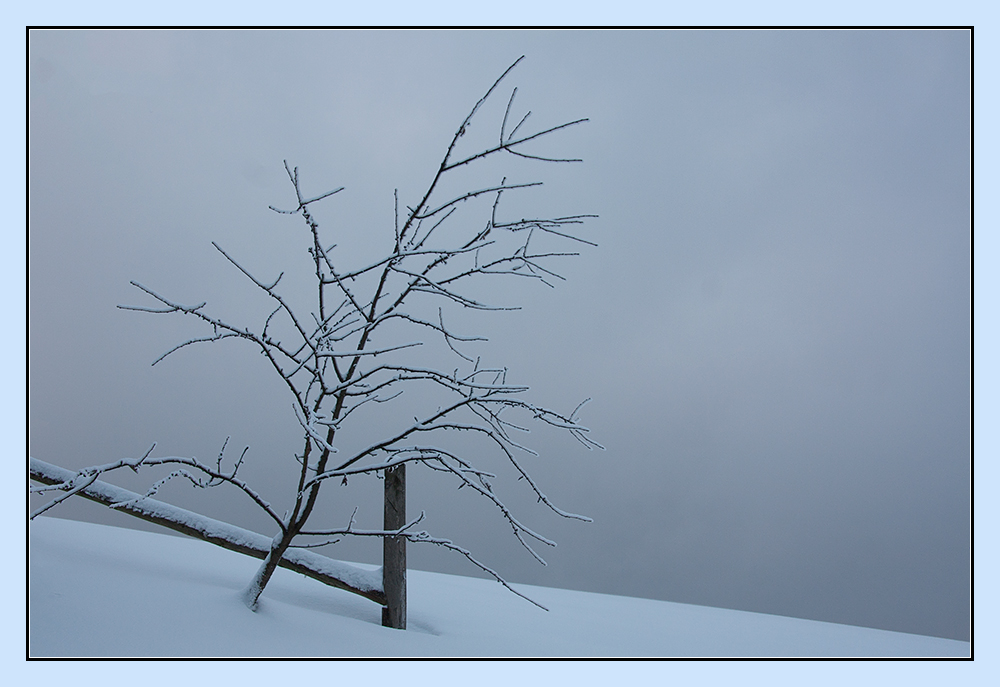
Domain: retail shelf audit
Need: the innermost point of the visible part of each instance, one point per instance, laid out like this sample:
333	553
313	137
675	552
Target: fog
774	327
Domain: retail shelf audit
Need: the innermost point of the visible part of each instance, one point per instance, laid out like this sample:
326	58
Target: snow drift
103	591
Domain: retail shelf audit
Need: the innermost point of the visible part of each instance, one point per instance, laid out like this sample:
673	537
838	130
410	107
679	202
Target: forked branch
348	349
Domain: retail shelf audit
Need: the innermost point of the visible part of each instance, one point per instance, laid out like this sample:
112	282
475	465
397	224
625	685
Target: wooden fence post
394	549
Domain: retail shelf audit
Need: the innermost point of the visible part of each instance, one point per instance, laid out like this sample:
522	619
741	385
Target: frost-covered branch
352	345
330	572
424	537
419	537
81	479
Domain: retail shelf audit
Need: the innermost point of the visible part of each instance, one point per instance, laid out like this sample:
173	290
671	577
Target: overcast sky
774	327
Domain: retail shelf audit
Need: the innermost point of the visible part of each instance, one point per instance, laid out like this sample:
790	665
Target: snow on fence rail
367	583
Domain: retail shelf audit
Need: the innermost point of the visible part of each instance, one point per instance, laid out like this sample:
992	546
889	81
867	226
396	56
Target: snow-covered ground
103	591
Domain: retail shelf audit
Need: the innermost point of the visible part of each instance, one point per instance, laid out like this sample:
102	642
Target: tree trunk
279	545
394	550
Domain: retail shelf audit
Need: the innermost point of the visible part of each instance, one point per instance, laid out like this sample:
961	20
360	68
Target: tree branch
329	572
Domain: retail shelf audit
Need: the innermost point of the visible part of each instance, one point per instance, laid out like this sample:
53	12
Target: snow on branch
424	537
304	203
345	576
311	430
347	347
473	194
80	480
419	537
355	354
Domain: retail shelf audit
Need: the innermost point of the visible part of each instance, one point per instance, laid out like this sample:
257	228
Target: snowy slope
103	591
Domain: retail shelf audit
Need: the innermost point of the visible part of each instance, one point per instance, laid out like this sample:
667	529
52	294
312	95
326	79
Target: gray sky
774	328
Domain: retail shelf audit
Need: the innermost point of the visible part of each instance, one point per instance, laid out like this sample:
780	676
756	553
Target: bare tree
330	366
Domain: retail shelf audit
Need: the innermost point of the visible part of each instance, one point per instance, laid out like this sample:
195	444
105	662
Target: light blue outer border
13	334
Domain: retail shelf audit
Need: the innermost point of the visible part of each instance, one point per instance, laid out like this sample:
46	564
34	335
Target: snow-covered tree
330	367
